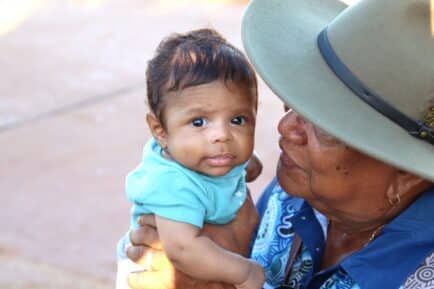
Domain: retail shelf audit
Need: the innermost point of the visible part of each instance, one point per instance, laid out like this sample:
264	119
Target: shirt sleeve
174	196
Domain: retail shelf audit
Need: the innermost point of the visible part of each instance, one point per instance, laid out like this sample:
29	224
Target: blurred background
72	125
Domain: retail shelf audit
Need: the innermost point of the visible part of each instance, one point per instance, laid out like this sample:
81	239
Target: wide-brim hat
370	83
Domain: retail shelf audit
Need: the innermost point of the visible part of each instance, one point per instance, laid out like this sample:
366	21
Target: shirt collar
307	225
398	251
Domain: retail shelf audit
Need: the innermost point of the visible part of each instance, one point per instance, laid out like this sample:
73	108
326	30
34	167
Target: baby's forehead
211	97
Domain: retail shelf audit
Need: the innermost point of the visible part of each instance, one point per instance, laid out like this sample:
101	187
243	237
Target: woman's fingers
145	235
150	280
134	253
149	258
158	272
169	279
147	220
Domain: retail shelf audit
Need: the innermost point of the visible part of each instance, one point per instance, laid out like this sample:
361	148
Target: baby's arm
199	257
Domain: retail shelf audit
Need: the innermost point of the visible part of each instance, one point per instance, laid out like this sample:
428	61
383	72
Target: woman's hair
194	58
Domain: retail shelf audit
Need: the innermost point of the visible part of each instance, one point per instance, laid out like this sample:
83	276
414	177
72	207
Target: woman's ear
406	186
157	129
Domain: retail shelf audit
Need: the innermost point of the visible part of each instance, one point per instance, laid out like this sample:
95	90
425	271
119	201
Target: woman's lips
220	160
284	159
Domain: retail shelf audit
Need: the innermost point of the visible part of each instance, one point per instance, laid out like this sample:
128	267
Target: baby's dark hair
194	58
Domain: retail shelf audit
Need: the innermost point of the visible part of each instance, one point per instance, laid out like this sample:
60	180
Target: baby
202	94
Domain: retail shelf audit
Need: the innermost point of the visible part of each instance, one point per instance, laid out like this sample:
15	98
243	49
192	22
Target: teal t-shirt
167	189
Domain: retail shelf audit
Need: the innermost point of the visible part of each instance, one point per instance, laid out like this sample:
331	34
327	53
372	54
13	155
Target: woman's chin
293	182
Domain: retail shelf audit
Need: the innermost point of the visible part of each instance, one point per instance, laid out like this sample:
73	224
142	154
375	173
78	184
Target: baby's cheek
246	151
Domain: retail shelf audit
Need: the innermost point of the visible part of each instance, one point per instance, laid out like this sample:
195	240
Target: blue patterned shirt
401	256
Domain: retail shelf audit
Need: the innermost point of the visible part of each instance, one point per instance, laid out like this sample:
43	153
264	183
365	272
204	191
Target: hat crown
389	47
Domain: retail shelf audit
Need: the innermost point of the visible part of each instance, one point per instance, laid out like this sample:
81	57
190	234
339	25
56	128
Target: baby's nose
220	133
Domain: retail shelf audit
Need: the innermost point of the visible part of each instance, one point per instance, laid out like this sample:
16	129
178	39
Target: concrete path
71	127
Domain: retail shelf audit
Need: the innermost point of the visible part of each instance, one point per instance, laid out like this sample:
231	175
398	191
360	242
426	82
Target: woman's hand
161	274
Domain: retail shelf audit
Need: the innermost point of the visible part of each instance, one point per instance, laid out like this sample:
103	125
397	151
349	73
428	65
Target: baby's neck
166	155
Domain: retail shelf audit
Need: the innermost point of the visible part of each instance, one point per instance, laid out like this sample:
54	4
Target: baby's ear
157	129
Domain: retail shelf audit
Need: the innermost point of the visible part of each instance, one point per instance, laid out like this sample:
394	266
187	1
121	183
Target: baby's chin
215	171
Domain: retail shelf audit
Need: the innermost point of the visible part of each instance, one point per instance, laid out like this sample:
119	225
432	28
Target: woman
353	202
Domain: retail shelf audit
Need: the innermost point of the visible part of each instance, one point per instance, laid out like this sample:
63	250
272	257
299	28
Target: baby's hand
254	168
255	278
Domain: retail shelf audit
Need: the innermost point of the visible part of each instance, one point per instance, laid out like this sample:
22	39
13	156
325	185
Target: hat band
415	128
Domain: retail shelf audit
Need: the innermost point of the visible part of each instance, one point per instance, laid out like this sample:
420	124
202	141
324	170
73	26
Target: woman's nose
291	128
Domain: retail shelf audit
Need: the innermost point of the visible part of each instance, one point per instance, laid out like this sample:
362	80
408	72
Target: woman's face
334	178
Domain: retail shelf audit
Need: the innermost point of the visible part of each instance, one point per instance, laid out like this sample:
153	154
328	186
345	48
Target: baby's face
210	128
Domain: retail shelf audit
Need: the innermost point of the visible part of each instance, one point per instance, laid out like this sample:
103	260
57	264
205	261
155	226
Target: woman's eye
324	136
238	120
199	122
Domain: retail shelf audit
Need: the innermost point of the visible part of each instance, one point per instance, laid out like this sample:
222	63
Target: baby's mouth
220	160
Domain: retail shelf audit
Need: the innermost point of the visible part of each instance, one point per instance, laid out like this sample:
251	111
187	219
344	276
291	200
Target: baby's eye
238	120
199	122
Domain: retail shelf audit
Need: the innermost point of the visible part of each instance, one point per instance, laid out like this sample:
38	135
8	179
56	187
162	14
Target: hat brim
280	38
